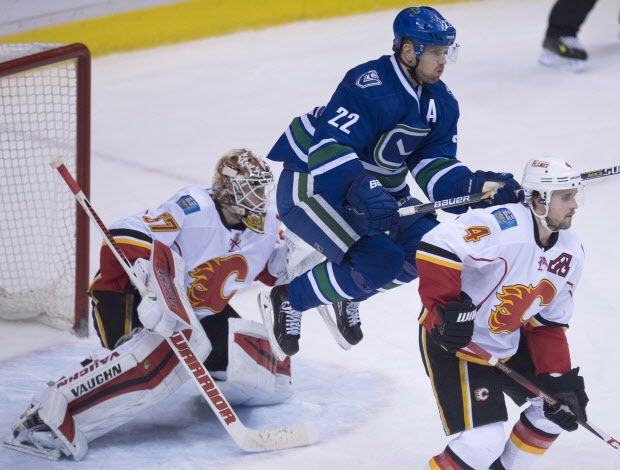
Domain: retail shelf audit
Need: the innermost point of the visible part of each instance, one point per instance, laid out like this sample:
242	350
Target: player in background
344	174
227	237
504	278
561	46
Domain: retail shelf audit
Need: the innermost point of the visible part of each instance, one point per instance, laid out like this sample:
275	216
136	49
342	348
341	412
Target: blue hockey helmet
424	26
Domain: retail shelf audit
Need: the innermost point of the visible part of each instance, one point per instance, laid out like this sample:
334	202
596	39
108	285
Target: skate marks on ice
181	431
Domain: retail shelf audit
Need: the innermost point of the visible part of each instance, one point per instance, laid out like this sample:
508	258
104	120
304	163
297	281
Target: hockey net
44	113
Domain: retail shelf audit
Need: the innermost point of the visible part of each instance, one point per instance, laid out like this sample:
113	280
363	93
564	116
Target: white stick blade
297	435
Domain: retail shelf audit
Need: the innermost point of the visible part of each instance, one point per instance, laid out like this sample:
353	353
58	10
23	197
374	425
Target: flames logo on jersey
207	289
515	301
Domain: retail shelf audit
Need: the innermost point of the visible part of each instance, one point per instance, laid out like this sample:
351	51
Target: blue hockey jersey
378	122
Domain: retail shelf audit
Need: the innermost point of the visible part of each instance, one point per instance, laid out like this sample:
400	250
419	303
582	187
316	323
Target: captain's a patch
370	78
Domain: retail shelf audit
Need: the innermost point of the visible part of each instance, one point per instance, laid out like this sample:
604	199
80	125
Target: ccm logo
449	202
374	184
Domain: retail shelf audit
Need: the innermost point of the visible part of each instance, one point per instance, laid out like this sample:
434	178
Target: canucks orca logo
370	78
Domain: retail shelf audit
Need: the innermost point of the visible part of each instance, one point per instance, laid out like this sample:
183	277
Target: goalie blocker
141	371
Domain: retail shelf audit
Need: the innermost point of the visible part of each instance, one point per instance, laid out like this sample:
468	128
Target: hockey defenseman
344	176
227	238
505	278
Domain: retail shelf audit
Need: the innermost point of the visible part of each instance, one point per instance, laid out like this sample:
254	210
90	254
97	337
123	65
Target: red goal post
44	236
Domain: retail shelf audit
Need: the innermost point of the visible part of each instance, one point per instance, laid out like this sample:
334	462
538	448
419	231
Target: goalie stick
531	387
248	439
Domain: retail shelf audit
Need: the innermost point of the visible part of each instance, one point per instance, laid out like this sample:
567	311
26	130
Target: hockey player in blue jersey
344	174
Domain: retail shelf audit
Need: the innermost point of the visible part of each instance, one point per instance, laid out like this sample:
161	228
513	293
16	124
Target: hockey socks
448	460
525	446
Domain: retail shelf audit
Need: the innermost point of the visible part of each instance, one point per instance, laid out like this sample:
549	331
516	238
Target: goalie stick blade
266	312
297	435
328	319
49	455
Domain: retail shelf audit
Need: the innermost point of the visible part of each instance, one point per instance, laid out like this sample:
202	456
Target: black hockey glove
458	324
569	390
375	208
508	190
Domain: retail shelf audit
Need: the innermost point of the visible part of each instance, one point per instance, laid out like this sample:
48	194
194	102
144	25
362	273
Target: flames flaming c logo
515	301
207	290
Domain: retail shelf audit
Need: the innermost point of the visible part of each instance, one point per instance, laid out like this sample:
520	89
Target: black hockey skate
565	53
348	321
286	321
568	47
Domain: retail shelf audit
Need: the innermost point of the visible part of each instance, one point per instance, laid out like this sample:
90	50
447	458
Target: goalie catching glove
152	310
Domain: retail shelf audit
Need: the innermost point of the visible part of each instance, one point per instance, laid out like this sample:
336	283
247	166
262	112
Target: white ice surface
160	119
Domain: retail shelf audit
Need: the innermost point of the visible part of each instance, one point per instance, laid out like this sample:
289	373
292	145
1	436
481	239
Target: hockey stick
249	440
590	175
474	198
531	387
445	203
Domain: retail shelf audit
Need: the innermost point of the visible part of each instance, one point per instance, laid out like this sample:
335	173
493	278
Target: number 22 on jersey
343	113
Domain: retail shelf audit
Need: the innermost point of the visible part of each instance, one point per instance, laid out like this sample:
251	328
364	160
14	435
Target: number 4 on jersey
475	233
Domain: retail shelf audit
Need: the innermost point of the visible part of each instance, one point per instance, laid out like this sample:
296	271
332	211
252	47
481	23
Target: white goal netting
37	211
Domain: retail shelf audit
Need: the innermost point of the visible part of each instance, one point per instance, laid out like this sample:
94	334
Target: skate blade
330	323
266	312
51	454
550	59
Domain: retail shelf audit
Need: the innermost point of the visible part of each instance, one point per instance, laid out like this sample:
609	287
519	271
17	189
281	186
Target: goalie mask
242	183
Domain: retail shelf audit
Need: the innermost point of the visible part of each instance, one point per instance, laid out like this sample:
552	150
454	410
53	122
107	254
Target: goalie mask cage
44	114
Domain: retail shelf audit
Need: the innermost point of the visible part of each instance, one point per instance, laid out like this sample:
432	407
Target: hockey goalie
223	240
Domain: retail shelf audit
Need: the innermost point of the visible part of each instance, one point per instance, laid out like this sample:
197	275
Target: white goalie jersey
218	260
494	256
211	263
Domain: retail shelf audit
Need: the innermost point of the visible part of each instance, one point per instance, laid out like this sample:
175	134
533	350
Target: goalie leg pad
254	376
113	389
32	434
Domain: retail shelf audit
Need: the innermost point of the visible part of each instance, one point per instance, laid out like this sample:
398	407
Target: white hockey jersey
218	260
493	255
